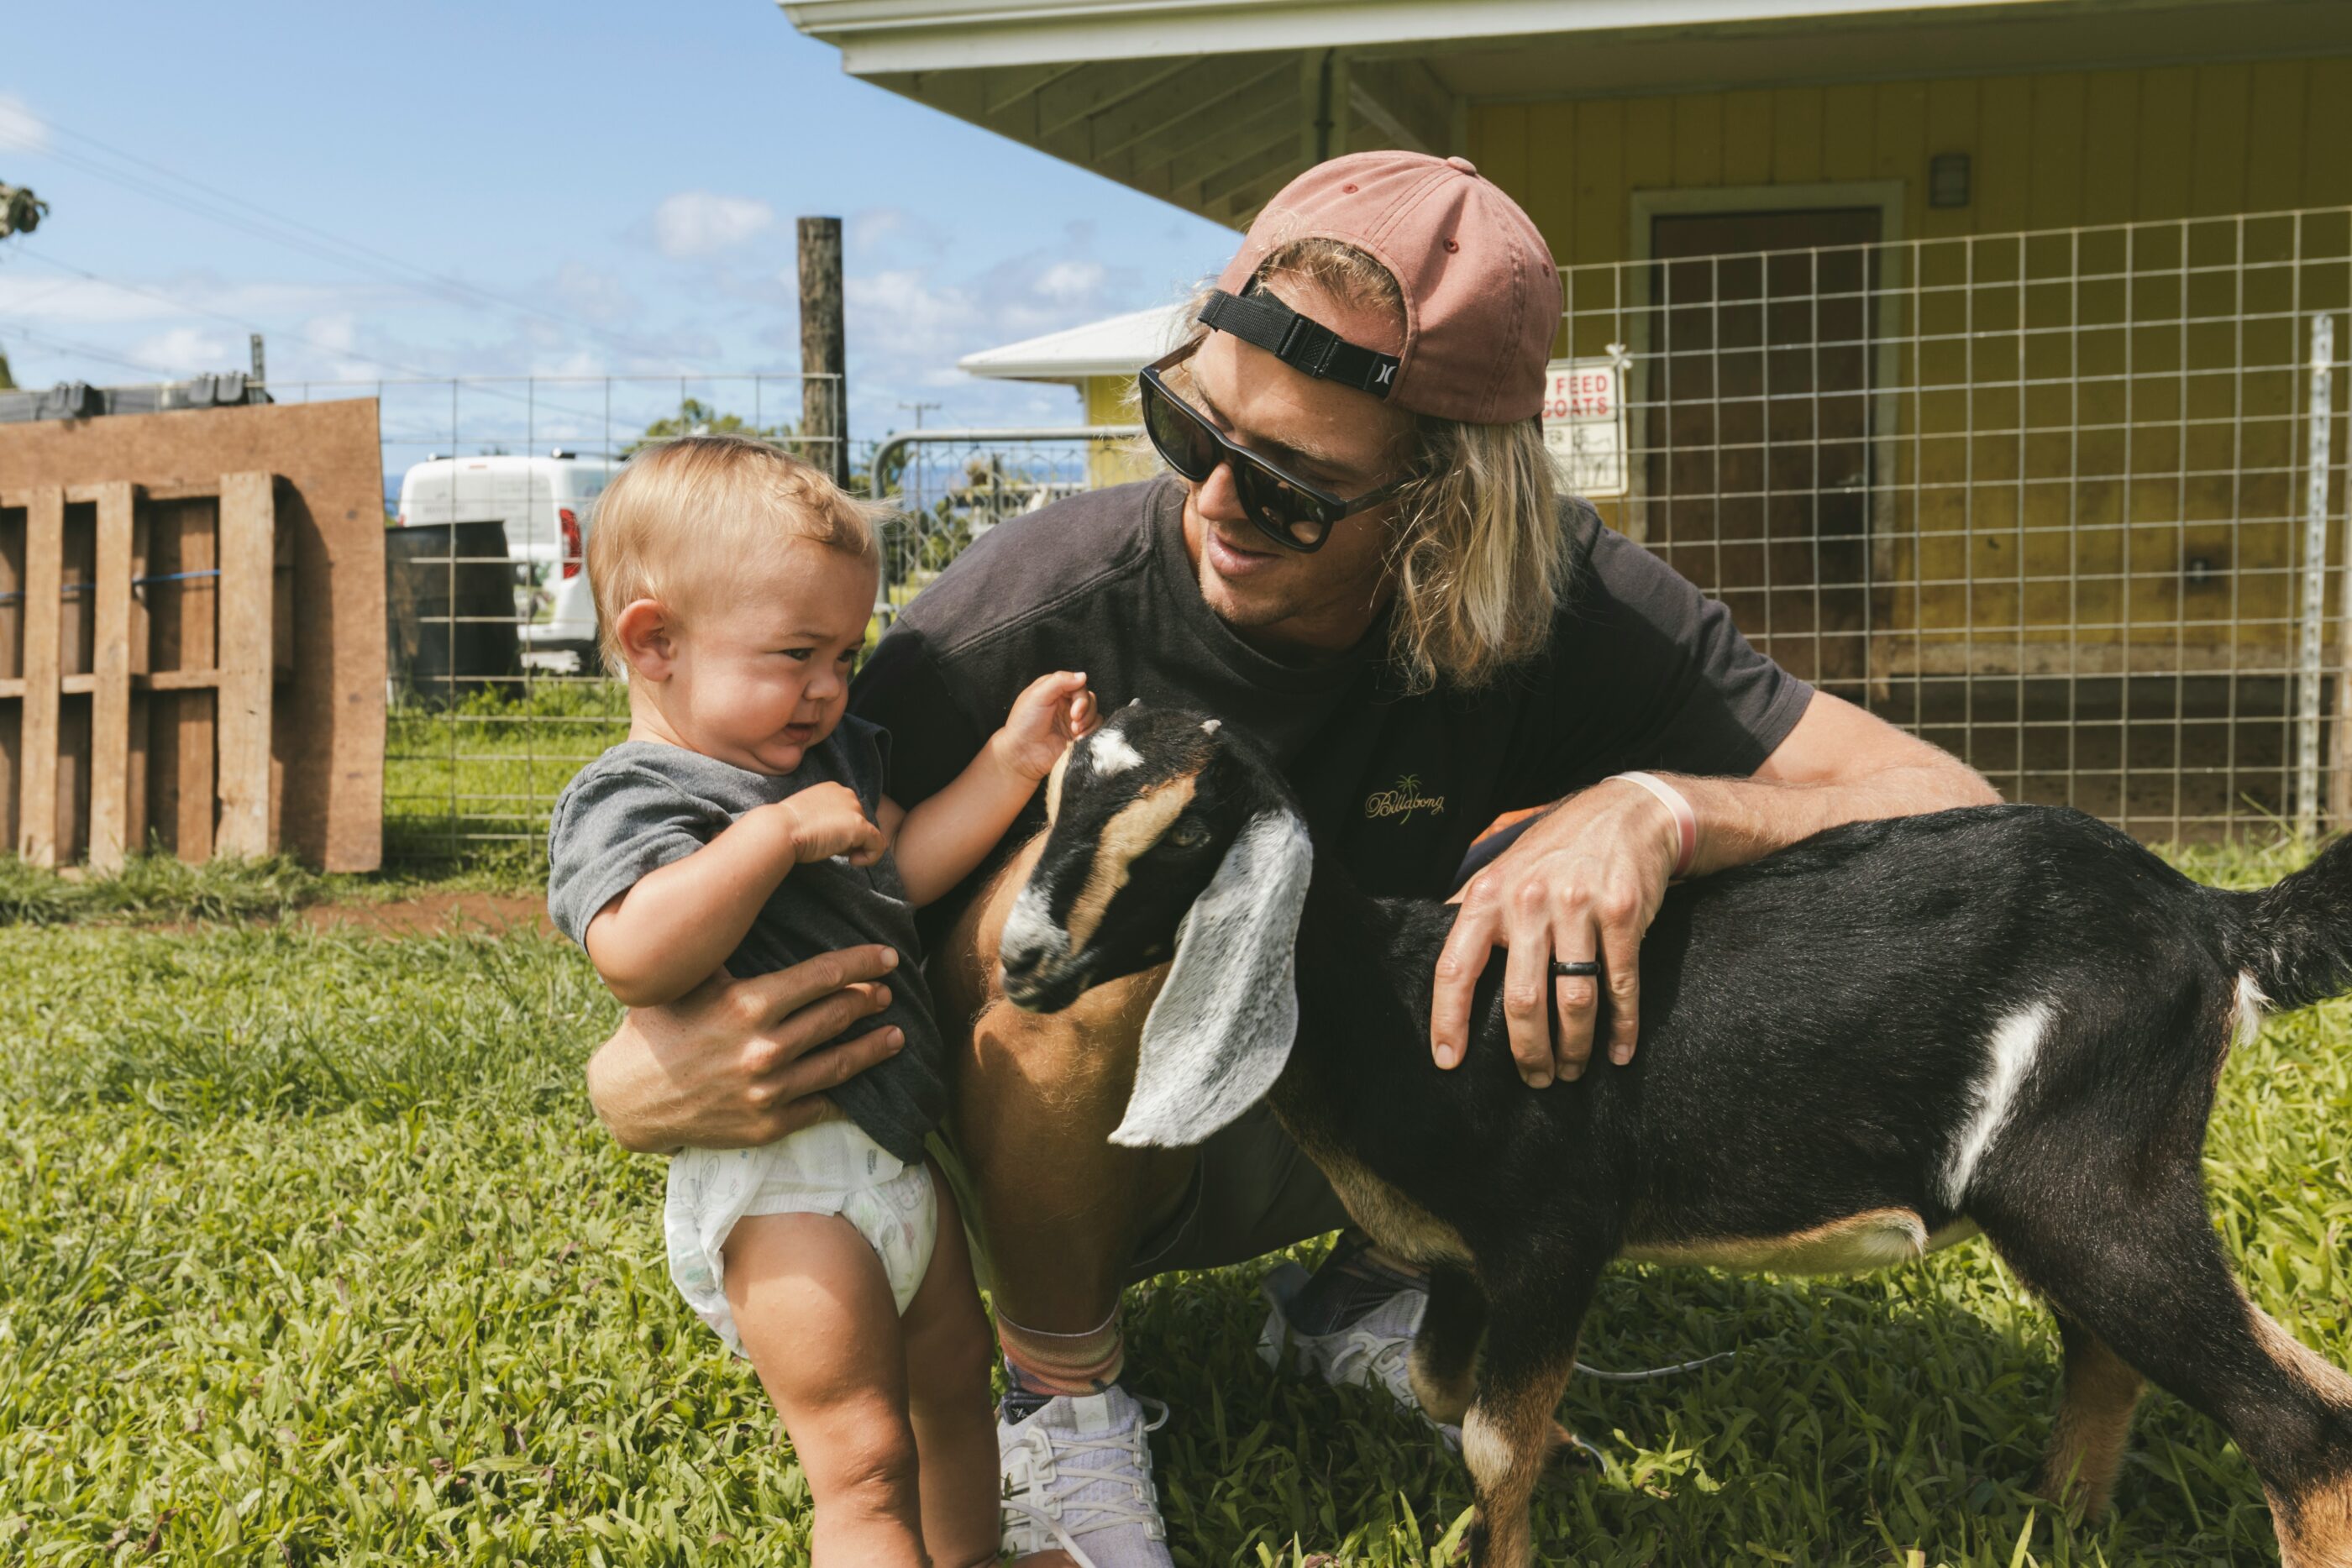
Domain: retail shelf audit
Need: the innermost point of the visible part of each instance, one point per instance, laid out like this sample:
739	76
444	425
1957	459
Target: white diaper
831	1167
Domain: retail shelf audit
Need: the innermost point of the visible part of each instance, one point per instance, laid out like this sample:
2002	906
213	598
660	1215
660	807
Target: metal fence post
2314	581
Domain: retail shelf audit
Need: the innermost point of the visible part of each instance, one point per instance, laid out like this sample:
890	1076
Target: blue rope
72	589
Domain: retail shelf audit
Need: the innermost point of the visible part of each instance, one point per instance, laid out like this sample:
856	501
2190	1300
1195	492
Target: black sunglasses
1286	510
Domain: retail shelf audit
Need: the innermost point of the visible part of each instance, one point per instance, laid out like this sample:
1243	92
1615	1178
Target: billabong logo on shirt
1401	800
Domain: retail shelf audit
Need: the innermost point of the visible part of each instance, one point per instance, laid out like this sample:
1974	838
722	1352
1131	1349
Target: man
1360	560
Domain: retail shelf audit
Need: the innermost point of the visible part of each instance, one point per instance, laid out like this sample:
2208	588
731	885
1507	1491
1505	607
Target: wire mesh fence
496	694
2047	500
948	488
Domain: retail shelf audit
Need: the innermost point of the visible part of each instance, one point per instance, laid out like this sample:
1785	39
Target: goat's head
1171	842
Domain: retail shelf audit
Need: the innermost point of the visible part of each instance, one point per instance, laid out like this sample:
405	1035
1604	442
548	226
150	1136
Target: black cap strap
1297	341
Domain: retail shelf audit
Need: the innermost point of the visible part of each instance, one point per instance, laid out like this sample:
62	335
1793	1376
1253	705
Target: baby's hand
1056	710
826	820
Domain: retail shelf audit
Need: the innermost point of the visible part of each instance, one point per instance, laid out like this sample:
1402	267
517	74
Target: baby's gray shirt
642	805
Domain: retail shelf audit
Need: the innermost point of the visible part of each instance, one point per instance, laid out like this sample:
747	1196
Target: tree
695	417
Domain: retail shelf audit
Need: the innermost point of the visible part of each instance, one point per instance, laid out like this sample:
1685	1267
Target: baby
743	823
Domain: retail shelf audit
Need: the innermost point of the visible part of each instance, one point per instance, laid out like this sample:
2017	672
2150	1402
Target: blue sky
616	184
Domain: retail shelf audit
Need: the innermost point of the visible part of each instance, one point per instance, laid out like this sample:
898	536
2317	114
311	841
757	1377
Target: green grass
311	1251
467	790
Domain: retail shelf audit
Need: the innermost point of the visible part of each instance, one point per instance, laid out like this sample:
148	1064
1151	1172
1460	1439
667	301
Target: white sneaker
1077	1476
1373	1352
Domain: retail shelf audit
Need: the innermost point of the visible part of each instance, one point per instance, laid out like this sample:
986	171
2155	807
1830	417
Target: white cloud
902	311
696	223
875	224
21	131
1071	280
593	294
35	297
185	350
337	333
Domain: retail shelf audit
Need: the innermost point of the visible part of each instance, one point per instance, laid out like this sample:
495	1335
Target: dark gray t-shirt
1640	671
642	805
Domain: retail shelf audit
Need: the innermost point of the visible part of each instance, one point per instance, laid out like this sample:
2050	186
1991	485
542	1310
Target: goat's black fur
1815	1046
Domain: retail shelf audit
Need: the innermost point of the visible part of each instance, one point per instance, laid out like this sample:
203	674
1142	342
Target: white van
548	504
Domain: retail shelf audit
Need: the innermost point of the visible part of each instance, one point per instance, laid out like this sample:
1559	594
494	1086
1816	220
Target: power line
66	346
298	337
289	232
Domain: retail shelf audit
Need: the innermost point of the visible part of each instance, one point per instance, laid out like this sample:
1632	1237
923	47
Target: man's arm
733	1063
1585	879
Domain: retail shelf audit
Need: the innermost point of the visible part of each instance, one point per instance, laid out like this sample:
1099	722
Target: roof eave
882	36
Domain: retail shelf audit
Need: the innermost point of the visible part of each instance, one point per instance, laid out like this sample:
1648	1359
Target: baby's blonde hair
684	516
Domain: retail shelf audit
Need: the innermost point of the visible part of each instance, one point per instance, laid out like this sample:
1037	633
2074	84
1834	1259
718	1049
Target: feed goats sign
1584	424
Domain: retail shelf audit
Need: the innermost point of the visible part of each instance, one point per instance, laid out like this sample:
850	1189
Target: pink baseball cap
1481	299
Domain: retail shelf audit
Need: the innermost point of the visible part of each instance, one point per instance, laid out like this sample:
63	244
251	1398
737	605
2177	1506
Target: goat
2004	1020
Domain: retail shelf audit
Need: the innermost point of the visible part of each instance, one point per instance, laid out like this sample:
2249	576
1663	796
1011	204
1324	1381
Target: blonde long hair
1477	551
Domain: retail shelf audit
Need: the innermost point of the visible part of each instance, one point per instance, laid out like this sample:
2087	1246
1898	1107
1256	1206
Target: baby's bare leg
822	1329
949	1348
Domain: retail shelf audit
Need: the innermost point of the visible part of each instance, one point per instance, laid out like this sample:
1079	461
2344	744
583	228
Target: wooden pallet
143	630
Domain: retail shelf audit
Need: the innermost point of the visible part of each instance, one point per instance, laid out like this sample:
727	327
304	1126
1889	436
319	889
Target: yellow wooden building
1962	347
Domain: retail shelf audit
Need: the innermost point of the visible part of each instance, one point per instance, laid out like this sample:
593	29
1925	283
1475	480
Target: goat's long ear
1221	1030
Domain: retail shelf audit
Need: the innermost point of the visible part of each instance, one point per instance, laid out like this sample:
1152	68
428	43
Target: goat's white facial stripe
1110	755
2015	1041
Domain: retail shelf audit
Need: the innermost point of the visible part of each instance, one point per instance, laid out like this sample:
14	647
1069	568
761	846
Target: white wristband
1685	820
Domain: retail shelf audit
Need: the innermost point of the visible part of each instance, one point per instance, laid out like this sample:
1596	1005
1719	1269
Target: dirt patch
434	914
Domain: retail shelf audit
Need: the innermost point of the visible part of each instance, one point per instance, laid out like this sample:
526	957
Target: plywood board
247	552
12	667
110	721
328	718
37	799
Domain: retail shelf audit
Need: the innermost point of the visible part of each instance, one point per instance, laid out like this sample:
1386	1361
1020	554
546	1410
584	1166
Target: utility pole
824	400
919	408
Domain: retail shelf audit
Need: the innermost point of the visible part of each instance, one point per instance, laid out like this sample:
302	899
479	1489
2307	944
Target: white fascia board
1113	347
878	37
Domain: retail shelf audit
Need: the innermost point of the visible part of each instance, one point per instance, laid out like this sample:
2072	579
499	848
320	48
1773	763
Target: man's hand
1583	882
733	1063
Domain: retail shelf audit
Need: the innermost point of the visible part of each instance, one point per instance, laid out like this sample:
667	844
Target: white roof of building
1118	346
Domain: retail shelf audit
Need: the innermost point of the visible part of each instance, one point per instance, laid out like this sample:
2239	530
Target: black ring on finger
1583	969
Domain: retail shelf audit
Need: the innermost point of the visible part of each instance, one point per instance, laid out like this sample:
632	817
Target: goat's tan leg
1506	1438
2313	1514
1445	1351
2142	1269
2094	1415
1059	1207
1509	1435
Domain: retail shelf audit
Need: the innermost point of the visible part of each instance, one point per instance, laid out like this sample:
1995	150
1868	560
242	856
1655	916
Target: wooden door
1758	423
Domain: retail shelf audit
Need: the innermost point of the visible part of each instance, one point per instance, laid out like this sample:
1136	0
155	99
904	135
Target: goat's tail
2296	938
